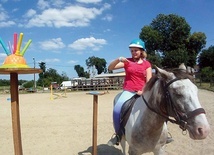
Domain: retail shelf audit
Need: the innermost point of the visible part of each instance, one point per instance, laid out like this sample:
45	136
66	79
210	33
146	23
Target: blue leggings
125	95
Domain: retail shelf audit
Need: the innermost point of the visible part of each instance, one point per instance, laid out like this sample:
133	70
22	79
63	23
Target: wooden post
95	112
51	97
15	103
15	113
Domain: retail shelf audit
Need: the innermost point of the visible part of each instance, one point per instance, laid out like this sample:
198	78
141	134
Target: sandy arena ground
63	126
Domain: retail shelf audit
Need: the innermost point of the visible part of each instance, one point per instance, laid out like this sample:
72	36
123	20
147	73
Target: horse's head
182	103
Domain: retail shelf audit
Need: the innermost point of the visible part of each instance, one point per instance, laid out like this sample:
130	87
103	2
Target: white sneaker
113	141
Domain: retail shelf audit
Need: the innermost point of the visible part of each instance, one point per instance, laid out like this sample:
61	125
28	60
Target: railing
82	85
98	84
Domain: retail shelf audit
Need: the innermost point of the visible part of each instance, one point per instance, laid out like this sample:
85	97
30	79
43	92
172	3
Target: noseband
180	118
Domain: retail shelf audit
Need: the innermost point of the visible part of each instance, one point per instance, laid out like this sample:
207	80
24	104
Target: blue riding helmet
137	43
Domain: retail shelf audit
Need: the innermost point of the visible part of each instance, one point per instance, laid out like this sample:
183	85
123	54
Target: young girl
138	71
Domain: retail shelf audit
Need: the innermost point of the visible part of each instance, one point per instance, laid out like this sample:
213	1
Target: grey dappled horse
168	96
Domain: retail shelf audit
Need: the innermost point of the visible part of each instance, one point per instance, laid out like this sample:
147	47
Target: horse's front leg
132	151
161	151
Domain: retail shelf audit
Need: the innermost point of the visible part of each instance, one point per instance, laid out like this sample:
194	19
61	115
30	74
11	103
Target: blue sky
65	33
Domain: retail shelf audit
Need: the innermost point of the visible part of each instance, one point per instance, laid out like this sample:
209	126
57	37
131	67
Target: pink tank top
135	78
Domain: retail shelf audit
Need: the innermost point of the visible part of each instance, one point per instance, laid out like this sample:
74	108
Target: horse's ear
182	66
163	73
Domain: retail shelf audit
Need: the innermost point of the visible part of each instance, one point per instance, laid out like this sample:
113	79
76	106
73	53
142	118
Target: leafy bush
29	84
207	74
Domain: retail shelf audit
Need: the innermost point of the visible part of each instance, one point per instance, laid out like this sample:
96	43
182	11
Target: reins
179	118
153	110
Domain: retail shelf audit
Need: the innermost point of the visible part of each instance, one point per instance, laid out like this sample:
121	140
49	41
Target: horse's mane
151	82
182	74
179	73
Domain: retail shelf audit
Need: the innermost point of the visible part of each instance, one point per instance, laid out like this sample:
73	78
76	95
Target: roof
118	74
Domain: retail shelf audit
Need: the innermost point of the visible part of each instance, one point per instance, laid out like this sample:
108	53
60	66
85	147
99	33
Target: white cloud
4	22
70	16
30	13
57	3
84	43
89	1
51	60
108	17
106	6
107	30
15	10
3	15
42	4
72	62
7	23
53	44
2	56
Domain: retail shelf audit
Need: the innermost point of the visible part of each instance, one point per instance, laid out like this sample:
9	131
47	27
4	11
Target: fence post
95	112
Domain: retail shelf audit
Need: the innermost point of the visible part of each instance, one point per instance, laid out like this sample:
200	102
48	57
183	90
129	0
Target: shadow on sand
102	149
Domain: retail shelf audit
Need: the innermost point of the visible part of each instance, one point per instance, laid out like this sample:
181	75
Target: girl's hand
123	59
139	92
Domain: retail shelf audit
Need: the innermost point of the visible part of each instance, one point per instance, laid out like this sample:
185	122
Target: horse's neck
154	100
144	118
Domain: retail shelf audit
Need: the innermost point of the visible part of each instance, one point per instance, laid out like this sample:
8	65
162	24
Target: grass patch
206	86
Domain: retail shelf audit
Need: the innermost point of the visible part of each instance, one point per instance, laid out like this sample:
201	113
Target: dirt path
64	126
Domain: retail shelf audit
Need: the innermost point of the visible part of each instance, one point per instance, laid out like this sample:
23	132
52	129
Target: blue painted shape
95	93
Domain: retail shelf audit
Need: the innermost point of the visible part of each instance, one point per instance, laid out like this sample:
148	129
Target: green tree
207	74
99	63
195	43
28	84
152	39
22	82
155	59
206	58
50	75
174	58
40	81
4	82
80	71
64	77
170	34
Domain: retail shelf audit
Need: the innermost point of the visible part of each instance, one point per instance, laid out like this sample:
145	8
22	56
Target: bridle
180	118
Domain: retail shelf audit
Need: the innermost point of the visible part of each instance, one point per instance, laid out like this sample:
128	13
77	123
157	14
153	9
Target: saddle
125	112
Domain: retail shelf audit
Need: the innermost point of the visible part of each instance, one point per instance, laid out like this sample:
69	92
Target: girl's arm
148	74
148	77
117	63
